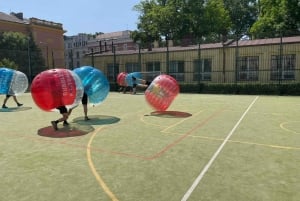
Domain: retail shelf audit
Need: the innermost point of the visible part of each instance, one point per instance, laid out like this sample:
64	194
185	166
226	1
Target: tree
20	52
159	20
147	31
243	13
277	18
8	64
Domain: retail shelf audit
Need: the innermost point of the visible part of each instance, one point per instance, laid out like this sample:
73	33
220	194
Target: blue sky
78	16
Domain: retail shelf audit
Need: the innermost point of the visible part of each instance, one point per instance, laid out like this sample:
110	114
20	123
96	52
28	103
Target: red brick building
49	36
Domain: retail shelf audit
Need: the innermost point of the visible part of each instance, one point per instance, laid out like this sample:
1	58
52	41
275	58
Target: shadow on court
71	130
97	120
15	109
170	114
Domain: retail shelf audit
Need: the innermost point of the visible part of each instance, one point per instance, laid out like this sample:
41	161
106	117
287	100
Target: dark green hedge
253	89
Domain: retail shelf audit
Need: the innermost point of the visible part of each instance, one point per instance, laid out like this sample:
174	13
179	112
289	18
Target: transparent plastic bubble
12	82
121	79
130	76
161	92
95	84
19	83
56	87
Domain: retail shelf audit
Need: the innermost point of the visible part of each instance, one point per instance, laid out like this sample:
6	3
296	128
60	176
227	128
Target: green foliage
215	20
8	64
250	89
277	18
19	51
243	13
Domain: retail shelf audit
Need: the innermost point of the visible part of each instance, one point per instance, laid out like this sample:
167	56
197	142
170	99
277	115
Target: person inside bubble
65	115
144	83
15	99
84	102
134	84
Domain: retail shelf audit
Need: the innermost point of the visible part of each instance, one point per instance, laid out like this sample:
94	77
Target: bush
250	89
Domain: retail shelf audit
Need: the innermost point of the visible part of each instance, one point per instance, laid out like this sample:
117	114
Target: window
283	69
112	72
202	70
247	68
152	70
132	67
176	70
153	66
125	47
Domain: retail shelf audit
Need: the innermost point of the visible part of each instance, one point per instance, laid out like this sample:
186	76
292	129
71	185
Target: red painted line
154	156
205	121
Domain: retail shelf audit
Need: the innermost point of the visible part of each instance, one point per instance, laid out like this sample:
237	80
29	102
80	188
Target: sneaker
4	106
19	104
86	118
54	125
66	123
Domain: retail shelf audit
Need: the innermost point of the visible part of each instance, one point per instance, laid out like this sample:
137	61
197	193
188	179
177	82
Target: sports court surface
203	148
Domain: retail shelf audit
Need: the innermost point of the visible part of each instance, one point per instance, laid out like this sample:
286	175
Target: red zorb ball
161	92
121	79
56	87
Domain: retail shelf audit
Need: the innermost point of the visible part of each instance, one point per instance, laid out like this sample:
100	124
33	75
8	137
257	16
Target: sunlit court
203	147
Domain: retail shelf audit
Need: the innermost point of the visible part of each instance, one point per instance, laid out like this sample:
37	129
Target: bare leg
5	101
15	99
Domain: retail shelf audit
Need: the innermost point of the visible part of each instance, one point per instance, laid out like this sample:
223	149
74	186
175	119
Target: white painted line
207	166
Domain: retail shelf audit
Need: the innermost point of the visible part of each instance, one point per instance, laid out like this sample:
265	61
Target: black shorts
84	99
7	96
62	109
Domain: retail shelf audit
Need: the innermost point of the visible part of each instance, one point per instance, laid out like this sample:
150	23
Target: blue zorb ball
12	82
94	82
129	76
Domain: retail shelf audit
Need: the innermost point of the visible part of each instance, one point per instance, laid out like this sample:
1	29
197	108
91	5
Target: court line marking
94	171
179	122
207	166
282	126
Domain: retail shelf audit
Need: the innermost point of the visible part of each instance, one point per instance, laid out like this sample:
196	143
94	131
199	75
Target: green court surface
203	148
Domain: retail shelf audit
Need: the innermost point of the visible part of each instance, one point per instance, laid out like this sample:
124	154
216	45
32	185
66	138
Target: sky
78	16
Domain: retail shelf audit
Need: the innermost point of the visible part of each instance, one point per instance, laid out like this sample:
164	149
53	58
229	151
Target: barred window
132	67
202	70
153	66
247	68
283	68
152	70
176	70
112	72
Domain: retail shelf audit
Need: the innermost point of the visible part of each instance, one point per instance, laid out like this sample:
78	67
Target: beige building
256	61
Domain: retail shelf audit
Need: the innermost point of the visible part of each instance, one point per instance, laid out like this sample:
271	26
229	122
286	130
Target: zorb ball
95	83
161	92
56	87
12	82
128	78
121	79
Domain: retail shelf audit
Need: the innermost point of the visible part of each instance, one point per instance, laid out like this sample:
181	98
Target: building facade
247	61
76	47
47	35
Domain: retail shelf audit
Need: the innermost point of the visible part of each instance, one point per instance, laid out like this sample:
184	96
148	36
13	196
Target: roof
12	18
242	43
267	41
113	35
